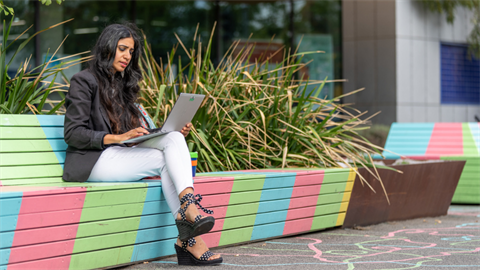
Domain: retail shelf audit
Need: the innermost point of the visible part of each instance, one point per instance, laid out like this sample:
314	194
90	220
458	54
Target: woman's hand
186	129
110	138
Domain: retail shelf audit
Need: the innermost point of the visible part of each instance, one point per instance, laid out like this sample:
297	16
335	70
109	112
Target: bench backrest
433	139
32	149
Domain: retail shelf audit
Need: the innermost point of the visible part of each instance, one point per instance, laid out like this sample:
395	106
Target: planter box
423	190
441	141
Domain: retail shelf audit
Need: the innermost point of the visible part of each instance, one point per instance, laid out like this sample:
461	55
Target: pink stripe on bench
43	235
42	211
47	264
301	213
309	186
41	251
212	239
37	204
303	202
307	180
446	139
207	188
219	202
296	226
216	200
218	225
219	212
305	191
45	219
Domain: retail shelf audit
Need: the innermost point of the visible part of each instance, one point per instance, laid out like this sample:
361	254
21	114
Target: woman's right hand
110	138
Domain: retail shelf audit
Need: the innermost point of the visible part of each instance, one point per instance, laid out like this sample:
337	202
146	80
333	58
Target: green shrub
254	115
29	90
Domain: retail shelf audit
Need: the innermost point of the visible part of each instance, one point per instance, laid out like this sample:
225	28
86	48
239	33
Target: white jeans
165	155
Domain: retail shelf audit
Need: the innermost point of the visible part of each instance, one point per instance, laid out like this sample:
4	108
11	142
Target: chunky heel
184	256
201	225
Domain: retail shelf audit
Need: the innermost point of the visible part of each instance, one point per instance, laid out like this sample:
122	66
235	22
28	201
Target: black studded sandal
186	258
201	225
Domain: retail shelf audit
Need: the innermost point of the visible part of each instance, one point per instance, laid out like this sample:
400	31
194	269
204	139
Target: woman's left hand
186	130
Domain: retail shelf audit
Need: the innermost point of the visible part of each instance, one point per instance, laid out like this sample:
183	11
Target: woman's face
123	55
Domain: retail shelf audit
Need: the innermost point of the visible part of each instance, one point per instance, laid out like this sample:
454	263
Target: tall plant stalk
29	90
255	115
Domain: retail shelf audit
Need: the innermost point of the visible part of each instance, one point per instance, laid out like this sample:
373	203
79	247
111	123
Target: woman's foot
198	249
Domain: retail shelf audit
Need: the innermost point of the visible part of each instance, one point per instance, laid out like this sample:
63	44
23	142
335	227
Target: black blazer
86	123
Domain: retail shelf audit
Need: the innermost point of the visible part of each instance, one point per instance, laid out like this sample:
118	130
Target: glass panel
318	28
317	23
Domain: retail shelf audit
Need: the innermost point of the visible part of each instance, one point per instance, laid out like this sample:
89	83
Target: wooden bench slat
20	146
36	171
51	120
35	158
22	120
70	187
28	120
19	133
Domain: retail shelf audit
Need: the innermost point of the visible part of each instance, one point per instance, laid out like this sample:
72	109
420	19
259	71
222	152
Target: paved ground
448	242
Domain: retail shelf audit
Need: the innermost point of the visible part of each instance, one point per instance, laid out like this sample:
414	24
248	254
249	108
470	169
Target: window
460	75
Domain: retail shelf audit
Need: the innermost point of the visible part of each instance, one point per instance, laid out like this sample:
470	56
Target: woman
101	114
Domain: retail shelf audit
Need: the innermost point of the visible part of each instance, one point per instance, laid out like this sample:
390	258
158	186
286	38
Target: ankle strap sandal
186	258
201	225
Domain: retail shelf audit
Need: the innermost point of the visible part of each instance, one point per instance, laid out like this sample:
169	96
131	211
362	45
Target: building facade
413	64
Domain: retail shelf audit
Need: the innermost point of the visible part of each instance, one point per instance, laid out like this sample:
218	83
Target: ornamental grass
256	115
31	88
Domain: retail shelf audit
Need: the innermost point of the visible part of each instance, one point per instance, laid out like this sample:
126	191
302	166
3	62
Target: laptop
182	113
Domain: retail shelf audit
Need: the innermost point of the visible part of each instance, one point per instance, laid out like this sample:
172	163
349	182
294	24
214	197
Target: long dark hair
118	92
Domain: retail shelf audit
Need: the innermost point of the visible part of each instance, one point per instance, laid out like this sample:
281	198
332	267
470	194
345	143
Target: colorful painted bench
46	223
446	141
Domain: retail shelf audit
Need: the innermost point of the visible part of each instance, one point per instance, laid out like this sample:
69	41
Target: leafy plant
5	9
49	2
9	10
30	88
255	115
